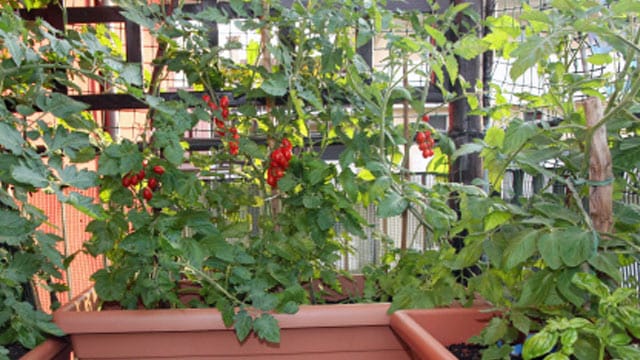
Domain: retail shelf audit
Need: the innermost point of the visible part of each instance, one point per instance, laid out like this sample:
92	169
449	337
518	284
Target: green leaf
110	285
576	247
539	344
243	324
86	205
521	248
536	289
436	34
275	85
466	149
529	52
11	139
607	264
82	179
549	247
517	134
34	176
174	152
495	219
60	105
568	290
393	204
600	59
226	309
50	328
312	201
325	219
557	356
521	322
592	284
495	330
266	326
132	74
15	228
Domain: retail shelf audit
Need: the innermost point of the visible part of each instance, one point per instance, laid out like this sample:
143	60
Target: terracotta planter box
52	349
428	332
349	331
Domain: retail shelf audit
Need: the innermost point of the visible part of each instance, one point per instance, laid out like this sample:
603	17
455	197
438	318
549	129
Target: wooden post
464	127
600	169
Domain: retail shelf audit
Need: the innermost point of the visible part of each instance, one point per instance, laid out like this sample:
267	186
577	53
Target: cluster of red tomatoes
132	180
425	141
279	163
221	126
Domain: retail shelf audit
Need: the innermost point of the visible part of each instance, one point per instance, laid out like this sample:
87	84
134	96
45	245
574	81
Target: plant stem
201	274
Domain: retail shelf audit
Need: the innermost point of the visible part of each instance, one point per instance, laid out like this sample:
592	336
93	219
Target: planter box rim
72	319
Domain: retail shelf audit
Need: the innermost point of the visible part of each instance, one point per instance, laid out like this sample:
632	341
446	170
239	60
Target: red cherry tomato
147	194
126	181
158	169
153	183
224	102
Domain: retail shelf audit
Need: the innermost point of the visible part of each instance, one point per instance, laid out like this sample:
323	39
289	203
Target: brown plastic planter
350	331
428	332
51	349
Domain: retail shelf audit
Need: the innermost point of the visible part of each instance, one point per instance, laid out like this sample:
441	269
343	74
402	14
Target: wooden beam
600	169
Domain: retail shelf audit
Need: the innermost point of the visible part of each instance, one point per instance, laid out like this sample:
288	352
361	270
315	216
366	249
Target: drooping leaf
266	326
393	204
243	324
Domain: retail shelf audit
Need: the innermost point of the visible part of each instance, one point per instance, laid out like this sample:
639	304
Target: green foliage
46	139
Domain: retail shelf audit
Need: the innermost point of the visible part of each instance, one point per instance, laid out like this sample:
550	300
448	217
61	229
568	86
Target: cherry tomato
420	137
147	194
153	183
126	181
158	169
224	102
134	179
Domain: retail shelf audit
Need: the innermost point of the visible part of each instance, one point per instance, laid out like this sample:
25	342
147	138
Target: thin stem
201	274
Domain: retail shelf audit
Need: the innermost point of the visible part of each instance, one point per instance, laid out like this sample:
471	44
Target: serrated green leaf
11	139
535	289
521	248
275	85
82	179
243	324
267	328
85	205
517	134
226	309
34	176
495	330
577	247
312	201
60	105
549	248
607	264
393	204
521	322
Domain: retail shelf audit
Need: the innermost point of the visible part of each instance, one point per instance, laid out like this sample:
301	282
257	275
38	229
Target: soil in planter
471	352
16	351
